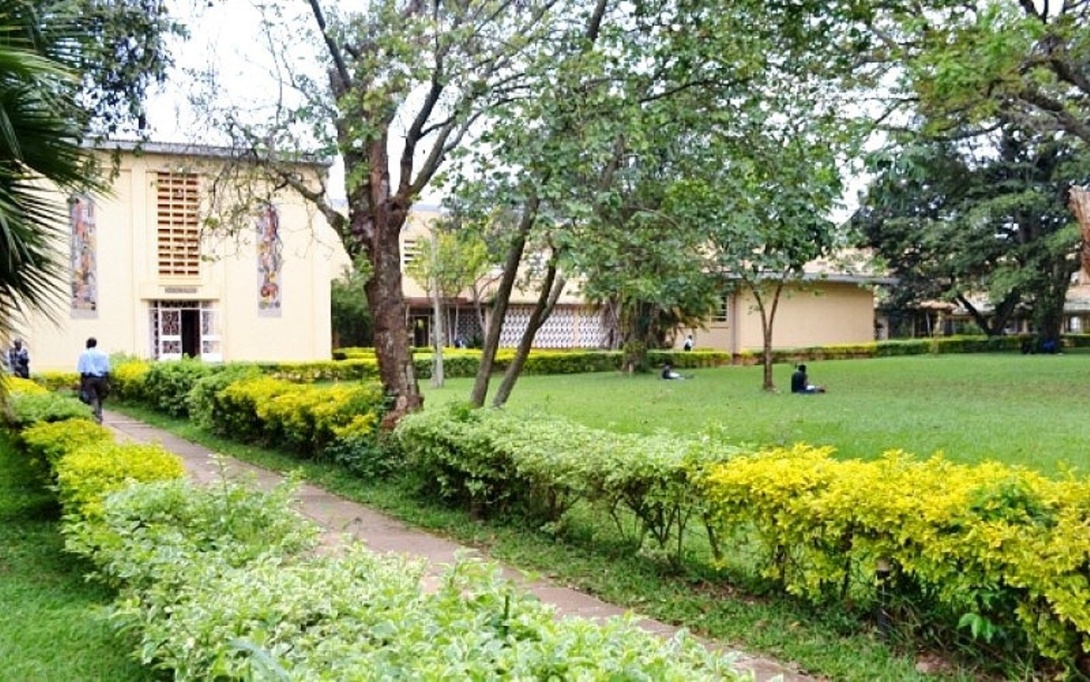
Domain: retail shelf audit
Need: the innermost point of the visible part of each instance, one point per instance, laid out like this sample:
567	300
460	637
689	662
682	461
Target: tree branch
334	51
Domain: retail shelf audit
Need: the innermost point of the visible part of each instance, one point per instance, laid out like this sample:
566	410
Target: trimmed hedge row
998	551
497	463
1002	549
221	582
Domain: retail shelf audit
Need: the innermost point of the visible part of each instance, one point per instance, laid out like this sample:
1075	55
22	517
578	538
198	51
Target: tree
447	264
990	64
64	74
960	222
403	77
351	319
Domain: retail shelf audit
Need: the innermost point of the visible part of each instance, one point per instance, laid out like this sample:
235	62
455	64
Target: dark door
191	333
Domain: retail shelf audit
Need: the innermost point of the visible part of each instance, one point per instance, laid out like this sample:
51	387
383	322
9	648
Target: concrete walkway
381	533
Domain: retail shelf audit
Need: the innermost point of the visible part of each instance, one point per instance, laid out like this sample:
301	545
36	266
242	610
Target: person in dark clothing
669	373
800	382
19	359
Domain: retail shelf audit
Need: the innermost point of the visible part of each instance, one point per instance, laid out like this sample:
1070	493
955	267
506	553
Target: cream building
827	306
166	265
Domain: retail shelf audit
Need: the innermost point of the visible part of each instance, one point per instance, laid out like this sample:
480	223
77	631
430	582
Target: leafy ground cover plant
594	557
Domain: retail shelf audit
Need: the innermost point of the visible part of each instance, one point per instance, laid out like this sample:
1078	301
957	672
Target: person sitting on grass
669	373
800	382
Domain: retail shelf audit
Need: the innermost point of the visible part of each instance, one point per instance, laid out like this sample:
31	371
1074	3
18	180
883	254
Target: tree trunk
438	338
376	218
392	345
499	304
546	301
768	320
1080	206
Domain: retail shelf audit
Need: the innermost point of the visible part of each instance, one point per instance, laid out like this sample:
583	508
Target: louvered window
179	237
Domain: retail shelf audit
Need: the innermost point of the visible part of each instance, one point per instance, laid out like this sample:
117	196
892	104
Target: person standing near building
19	359
688	345
94	376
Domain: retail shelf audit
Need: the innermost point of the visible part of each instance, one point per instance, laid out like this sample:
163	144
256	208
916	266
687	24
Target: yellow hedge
1000	544
85	476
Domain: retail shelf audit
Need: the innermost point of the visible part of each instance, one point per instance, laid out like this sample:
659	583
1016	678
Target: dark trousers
95	387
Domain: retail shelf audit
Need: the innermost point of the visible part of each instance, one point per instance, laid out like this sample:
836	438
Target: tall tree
406	81
985	225
985	64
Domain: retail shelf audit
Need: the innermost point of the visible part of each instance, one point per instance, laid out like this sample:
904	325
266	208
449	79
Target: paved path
381	533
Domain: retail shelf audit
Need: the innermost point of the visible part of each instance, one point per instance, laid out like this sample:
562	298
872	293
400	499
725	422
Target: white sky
227	35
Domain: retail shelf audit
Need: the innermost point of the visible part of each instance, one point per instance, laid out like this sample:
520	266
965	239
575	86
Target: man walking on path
94	376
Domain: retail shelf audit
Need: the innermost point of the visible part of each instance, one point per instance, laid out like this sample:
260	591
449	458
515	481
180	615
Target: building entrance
184	329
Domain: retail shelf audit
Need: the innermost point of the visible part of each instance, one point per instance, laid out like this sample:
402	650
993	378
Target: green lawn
1029	410
51	627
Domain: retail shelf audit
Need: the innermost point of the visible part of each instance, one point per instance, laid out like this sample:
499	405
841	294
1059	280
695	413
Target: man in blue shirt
94	376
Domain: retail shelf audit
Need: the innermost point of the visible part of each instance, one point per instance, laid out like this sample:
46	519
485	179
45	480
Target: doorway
184	329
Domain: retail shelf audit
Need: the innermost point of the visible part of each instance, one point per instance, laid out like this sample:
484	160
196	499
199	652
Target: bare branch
334	51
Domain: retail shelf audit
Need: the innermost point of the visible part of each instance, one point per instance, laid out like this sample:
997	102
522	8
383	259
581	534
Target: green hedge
497	463
997	551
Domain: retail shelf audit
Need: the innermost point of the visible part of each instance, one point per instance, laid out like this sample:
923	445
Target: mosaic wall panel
84	255
567	327
269	262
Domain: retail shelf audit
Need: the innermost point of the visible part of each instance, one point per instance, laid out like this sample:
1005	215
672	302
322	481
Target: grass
52	627
1027	410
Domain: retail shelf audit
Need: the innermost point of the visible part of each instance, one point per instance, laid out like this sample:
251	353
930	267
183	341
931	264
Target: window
409	250
178	234
724	308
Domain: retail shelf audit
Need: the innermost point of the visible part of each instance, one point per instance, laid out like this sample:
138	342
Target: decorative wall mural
84	255
269	261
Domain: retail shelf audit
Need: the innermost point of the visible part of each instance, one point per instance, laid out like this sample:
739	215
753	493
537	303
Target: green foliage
85	476
305	419
31	408
57	381
992	233
352	325
204	401
145	531
226	564
992	541
53	627
128	377
49	441
167	384
499	463
364	612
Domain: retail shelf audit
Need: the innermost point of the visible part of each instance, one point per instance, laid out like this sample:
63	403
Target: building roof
201	150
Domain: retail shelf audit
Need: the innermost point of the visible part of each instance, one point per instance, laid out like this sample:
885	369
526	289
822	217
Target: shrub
57	381
205	400
496	462
20	386
31	408
167	384
997	549
147	530
86	475
127	377
47	442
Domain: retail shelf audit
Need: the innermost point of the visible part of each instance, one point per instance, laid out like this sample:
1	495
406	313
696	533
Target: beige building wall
228	287
813	314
